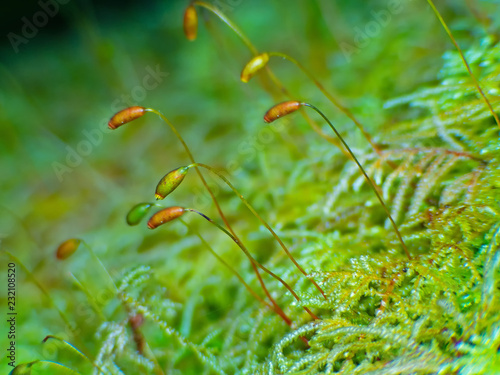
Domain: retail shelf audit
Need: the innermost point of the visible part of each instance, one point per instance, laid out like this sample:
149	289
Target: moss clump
436	313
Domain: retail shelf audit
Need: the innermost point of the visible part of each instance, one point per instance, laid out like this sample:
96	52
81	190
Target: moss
181	311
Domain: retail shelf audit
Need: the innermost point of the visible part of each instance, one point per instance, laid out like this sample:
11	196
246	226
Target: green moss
152	302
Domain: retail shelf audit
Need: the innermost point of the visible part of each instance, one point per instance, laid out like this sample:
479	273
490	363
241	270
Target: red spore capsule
165	215
281	109
126	115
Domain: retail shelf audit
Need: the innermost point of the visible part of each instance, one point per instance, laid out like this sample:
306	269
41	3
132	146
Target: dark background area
11	17
16	15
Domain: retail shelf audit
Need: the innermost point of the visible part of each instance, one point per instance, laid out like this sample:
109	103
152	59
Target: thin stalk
26	367
476	83
245	250
315	127
90	297
330	97
229	267
73	349
246	41
98	260
96	307
42	289
190	155
229	23
370	182
221	214
268	227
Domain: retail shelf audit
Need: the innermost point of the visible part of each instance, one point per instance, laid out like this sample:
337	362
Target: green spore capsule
138	212
170	181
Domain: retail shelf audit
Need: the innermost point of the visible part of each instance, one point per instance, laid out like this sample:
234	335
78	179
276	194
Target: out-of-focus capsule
190	22
67	248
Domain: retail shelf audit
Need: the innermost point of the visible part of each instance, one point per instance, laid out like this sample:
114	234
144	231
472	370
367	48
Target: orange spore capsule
253	66
126	115
281	109
67	248
190	23
165	215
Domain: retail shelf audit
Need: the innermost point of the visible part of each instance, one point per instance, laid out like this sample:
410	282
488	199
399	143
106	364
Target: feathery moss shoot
303	270
285	108
170	213
171	180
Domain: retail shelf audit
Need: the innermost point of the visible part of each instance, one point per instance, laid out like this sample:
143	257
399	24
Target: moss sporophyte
391	266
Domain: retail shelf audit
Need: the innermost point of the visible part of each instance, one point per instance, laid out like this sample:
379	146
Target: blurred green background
64	175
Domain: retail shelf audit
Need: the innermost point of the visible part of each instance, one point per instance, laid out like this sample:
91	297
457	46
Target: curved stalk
369	180
247	253
229	267
90	297
246	41
221	214
25	368
229	23
268	227
190	156
330	97
42	289
462	56
73	349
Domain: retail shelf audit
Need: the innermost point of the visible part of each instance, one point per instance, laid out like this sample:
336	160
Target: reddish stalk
245	250
266	225
134	112
221	214
285	108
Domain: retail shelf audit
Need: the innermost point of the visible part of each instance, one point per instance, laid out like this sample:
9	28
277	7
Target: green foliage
159	303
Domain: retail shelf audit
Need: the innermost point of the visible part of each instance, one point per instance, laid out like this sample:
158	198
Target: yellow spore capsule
190	23
253	66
